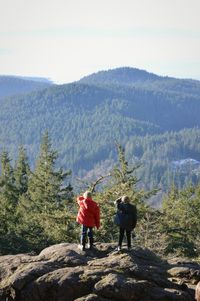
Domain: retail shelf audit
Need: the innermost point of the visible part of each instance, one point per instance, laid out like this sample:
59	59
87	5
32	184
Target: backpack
126	216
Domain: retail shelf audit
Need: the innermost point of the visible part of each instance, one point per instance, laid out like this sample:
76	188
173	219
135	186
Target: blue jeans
86	231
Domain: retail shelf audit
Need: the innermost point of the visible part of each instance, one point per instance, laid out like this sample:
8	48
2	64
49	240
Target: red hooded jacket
89	213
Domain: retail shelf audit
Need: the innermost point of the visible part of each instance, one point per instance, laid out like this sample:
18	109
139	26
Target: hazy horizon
37	77
66	40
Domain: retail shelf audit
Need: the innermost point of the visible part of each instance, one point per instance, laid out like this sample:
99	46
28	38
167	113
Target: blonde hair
87	194
125	199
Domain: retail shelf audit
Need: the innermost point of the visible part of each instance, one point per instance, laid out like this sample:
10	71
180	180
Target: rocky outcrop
65	273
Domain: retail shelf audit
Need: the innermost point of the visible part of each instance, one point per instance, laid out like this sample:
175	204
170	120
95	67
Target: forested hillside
12	85
155	118
38	207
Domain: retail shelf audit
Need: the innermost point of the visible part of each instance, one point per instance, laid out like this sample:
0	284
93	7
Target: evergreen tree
8	203
7	181
43	209
21	172
181	220
123	182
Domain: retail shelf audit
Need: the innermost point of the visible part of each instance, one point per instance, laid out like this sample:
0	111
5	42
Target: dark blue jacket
126	216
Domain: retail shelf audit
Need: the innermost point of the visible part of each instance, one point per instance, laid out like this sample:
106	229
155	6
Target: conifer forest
118	132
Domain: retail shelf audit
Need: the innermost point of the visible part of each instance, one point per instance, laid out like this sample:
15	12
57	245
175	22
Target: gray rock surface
64	273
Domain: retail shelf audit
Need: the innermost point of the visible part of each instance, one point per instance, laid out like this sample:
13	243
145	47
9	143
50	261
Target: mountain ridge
14	85
123	75
84	119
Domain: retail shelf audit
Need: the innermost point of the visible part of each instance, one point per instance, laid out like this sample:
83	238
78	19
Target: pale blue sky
67	39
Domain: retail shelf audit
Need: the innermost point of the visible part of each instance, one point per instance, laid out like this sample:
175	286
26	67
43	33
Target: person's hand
117	201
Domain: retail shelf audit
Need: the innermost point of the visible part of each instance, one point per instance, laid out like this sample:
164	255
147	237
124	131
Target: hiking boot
90	243
90	247
119	248
81	247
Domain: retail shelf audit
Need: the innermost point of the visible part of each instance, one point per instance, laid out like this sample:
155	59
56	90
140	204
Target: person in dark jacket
126	219
89	217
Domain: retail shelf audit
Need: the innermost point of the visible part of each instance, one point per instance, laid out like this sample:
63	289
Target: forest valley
38	206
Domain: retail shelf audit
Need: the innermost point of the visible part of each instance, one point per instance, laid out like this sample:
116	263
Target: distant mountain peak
121	75
27	78
13	85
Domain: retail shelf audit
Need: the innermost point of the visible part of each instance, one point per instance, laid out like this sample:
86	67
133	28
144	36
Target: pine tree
21	172
8	192
181	220
123	182
43	208
8	203
7	181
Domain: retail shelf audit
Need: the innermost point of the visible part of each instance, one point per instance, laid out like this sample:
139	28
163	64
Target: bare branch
99	180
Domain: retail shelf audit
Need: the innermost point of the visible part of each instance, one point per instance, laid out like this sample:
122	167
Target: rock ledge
64	273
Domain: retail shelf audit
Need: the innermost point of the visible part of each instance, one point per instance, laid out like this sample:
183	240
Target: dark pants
121	236
86	231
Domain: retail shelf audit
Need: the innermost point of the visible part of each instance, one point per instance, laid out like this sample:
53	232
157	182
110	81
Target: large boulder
118	287
65	273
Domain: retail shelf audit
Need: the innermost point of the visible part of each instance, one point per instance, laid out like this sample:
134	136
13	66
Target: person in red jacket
89	217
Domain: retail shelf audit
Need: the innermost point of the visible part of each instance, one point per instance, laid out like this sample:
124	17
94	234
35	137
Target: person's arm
120	205
117	201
